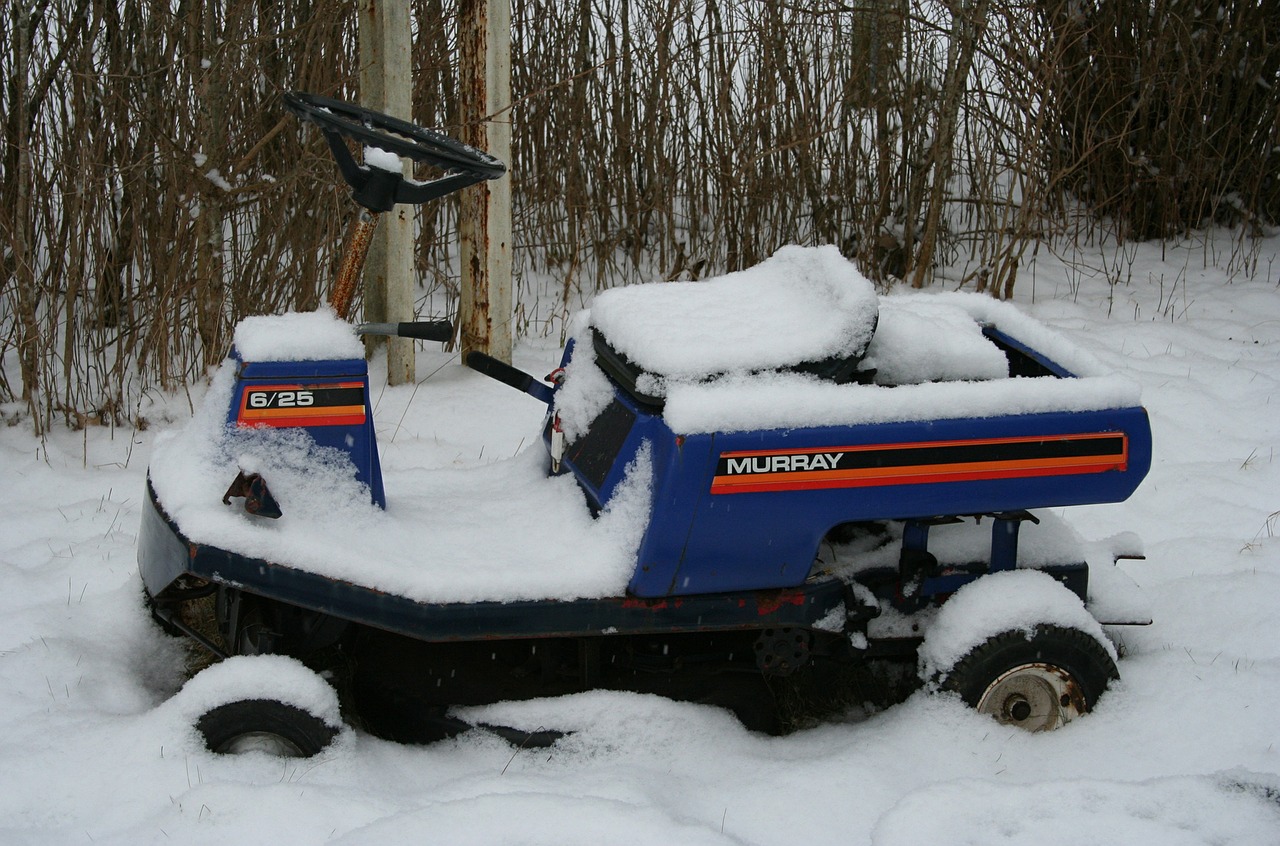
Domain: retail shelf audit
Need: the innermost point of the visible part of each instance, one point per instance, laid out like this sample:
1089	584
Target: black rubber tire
264	725
1069	657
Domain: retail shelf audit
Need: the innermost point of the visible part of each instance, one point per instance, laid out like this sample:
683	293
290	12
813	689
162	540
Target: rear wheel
264	725
1036	683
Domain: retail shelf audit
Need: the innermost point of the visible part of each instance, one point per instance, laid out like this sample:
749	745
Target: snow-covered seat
806	309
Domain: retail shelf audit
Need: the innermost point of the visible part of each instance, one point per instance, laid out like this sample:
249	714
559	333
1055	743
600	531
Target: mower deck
166	554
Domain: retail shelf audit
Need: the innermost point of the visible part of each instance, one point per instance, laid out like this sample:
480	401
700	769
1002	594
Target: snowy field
95	748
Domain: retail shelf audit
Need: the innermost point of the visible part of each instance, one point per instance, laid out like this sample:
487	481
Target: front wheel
264	725
1038	682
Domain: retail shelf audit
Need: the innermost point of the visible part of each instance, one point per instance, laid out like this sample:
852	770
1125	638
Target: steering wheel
380	190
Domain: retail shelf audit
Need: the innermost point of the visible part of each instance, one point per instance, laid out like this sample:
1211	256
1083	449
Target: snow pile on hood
803	304
448	535
924	339
297	336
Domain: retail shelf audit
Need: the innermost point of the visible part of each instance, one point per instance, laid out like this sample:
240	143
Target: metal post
485	310
385	86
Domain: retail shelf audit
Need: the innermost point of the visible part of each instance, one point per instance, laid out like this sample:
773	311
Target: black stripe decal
855	458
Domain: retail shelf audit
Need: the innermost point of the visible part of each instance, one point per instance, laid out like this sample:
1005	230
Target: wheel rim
261	741
1033	697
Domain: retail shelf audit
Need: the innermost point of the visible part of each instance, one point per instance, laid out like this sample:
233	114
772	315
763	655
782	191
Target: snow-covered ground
95	748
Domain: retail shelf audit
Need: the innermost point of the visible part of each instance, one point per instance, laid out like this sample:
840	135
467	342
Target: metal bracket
257	498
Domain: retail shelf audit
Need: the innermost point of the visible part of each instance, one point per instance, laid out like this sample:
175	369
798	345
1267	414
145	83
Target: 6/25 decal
281	399
335	404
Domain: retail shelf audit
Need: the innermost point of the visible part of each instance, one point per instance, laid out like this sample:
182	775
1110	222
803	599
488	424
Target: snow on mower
745	487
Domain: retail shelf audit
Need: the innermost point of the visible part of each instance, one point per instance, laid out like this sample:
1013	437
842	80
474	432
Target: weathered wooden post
386	86
485	311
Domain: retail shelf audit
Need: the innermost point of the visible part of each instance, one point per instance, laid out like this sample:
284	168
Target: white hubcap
261	741
1034	697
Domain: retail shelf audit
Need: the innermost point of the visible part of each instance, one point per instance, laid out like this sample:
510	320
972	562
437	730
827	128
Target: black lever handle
423	330
508	375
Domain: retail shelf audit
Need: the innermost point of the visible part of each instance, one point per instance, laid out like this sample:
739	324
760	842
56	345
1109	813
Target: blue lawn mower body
767	551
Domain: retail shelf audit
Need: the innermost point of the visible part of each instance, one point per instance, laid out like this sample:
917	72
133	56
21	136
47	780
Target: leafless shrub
1168	111
153	191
